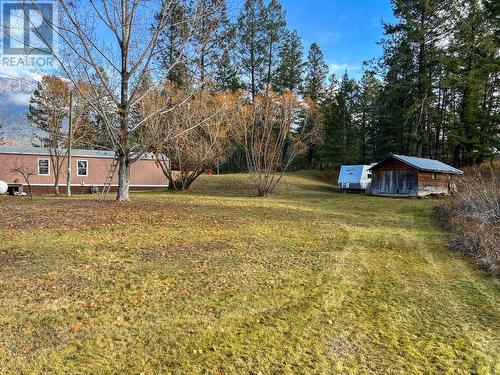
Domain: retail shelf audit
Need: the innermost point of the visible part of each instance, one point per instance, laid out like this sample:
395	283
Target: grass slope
218	281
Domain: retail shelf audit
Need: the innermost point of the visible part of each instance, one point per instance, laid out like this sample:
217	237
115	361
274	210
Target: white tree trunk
123	179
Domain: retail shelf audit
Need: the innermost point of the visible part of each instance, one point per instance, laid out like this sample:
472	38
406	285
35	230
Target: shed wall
433	183
397	178
394	178
392	165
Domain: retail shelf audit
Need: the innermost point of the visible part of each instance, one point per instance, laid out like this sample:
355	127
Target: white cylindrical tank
3	187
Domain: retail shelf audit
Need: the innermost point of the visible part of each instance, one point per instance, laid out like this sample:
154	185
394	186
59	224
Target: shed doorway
398	182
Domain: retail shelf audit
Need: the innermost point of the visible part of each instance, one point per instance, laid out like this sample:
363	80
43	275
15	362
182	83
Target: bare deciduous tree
47	110
112	45
26	173
196	136
278	128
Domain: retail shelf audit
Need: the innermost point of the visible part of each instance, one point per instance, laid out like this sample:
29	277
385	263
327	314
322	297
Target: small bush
473	218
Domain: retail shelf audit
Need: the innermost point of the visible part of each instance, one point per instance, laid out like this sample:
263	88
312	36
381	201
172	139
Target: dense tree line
258	52
434	93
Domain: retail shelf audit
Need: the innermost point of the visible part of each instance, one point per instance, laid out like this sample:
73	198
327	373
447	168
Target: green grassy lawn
218	281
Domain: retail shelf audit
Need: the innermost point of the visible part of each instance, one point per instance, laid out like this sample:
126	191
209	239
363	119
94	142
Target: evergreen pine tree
395	126
440	69
211	37
174	59
422	23
290	70
47	109
369	92
100	135
341	131
251	44
316	72
274	30
475	75
226	76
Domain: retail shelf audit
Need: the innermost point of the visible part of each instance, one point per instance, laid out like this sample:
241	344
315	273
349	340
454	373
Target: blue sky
346	30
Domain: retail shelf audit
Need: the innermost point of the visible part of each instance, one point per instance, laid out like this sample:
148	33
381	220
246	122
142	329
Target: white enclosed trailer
354	177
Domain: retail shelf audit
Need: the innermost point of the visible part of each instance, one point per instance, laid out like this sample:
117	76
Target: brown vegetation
197	136
278	129
473	217
47	110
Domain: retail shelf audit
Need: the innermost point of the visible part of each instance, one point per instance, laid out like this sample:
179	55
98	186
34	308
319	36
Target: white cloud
341	68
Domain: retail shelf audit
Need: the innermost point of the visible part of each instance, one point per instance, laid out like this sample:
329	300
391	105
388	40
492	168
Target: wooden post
70	144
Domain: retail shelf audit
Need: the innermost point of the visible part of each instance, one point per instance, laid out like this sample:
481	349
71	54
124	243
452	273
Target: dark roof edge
402	160
455	171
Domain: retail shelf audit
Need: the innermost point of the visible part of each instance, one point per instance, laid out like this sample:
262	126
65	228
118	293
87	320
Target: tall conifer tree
211	37
172	40
251	44
291	66
274	30
369	92
316	72
226	76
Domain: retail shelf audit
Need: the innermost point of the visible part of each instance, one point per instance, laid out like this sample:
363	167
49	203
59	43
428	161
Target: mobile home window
43	167
82	168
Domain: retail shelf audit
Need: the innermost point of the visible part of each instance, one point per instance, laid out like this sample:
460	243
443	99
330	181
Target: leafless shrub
26	172
278	129
197	135
473	217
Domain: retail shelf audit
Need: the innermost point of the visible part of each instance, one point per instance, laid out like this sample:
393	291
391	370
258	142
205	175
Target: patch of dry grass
219	281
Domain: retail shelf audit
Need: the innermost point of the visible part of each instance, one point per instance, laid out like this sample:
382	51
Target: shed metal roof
422	164
74	152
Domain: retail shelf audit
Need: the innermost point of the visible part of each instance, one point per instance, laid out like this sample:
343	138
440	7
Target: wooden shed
409	176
